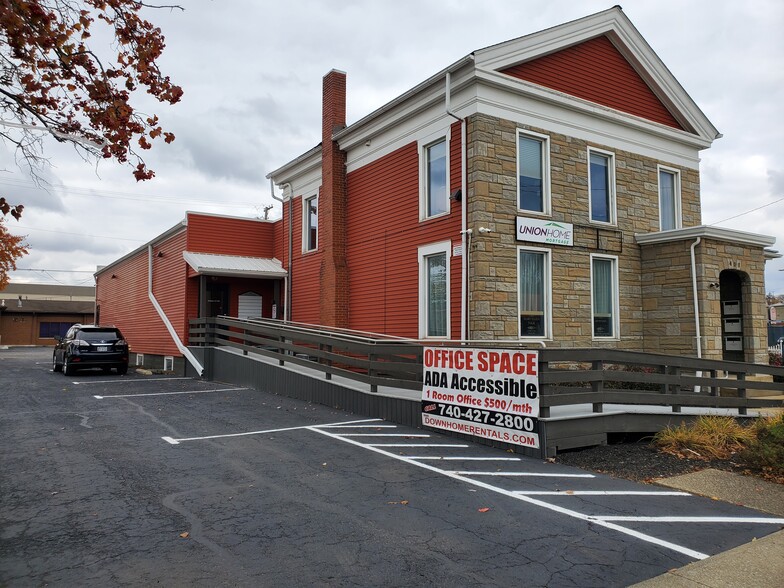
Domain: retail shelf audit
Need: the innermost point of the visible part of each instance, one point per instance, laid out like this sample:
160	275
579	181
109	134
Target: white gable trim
626	38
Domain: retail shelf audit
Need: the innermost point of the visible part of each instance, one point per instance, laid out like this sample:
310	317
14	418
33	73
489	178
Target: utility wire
77	234
117	195
747	212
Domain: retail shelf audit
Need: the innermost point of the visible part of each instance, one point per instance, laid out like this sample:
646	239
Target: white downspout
696	307
282	201
169	327
465	234
696	302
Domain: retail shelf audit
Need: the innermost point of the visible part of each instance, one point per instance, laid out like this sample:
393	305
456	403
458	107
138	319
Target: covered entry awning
208	264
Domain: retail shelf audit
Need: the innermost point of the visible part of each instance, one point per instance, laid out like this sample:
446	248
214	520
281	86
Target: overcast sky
252	70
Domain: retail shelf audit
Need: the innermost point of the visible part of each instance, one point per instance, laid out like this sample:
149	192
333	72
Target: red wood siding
230	236
595	70
383	236
306	268
280	239
124	302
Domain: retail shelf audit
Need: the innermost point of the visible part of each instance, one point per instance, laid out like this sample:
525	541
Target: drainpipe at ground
169	327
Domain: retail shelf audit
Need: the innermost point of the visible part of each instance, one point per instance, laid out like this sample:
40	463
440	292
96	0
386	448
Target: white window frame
424	252
546	204
168	363
676	196
306	223
140	359
616	310
611	187
548	293
425	144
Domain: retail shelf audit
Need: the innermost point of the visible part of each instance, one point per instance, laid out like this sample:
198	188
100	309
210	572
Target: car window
99	334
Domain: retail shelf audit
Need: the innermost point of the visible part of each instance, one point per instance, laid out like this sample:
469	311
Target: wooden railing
376	361
566	376
607	376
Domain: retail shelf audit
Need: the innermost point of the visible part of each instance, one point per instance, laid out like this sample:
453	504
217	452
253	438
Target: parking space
138	479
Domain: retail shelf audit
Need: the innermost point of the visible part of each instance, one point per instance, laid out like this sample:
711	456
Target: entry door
731	288
249	306
217	299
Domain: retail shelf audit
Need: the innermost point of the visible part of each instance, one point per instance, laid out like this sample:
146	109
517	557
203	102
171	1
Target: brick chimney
332	204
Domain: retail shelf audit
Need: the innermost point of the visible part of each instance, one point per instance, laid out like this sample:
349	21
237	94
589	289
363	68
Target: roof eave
705	232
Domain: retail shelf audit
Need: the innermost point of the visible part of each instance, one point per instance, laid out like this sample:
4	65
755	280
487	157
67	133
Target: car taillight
122	342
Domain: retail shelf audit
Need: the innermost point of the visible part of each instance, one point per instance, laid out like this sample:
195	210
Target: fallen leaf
404	502
484	509
570	492
185	535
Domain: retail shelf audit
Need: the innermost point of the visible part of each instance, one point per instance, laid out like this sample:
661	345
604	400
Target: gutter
465	234
696	306
169	327
287	293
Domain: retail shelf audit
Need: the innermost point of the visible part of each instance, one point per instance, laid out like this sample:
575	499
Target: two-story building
545	189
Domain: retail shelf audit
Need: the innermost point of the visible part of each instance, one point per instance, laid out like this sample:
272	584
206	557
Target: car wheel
68	369
56	367
122	370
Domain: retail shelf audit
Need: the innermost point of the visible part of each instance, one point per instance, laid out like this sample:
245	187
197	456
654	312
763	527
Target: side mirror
58	338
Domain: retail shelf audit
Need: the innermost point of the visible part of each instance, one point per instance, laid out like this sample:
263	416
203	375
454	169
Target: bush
759	445
766	450
708	437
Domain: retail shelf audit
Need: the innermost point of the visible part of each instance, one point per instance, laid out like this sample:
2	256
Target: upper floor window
434	179
533	271
533	172
601	182
604	296
669	199
310	224
434	290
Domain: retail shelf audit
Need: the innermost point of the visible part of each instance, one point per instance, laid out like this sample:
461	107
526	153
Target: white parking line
601	493
405	444
525	474
360	426
756	520
169	393
173	441
565	511
126	381
383	435
464	458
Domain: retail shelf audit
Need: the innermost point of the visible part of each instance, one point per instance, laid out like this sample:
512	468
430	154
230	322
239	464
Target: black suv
90	346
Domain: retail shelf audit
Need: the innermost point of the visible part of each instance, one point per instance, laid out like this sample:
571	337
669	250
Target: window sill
424	219
535	213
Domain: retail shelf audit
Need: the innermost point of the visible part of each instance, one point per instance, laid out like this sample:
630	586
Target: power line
118	195
32	269
747	212
78	234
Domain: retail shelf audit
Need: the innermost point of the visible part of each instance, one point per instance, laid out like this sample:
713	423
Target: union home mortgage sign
545	231
490	393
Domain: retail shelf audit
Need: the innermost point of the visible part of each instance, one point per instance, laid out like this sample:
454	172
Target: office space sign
490	393
544	231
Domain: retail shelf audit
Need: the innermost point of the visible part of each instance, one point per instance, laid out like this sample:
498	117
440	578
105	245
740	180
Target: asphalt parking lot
143	480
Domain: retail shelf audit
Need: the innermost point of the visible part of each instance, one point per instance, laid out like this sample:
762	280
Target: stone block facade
656	307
